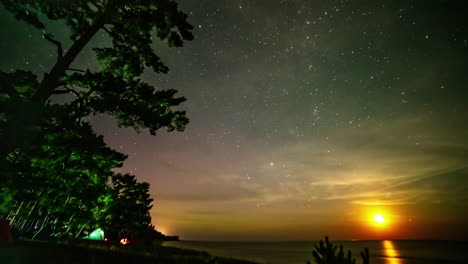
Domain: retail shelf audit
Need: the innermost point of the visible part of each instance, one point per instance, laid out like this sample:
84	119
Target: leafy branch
327	253
7	87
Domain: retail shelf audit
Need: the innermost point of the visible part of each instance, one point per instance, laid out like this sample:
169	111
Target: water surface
381	252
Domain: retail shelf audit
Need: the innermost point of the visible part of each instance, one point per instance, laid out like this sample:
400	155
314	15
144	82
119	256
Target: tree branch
77	70
79	98
51	81
108	31
118	36
7	87
68	90
57	43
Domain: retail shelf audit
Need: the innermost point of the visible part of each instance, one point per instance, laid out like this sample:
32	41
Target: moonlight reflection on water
390	253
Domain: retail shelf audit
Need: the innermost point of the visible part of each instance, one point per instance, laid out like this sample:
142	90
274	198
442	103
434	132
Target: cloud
237	194
371	165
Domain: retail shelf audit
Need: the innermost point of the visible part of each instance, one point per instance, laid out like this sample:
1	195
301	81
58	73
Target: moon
378	218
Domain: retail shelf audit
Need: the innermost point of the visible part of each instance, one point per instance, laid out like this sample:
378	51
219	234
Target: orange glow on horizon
164	230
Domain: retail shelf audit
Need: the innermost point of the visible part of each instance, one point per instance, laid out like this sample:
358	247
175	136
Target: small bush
327	253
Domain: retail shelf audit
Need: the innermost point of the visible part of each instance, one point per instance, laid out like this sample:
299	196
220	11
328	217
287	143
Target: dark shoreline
51	252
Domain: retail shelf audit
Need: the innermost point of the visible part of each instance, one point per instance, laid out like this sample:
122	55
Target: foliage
117	88
327	253
66	186
61	181
55	170
129	210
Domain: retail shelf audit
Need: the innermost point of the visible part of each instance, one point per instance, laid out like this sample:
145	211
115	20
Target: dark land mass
26	252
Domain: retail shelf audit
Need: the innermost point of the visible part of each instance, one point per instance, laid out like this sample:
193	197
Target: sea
381	252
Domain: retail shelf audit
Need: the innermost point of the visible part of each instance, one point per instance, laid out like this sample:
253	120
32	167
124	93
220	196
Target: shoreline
296	252
29	251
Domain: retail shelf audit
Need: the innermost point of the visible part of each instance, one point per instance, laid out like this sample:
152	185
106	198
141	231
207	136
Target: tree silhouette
55	169
327	253
65	185
61	182
130	205
115	89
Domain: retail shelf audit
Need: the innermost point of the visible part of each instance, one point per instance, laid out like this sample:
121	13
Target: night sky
305	117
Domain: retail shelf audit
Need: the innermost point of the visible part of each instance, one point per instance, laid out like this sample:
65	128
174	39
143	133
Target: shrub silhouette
327	253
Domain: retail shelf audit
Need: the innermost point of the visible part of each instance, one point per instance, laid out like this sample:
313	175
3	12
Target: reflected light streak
390	253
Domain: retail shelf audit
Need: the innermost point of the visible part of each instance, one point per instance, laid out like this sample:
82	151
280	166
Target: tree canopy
61	182
57	174
116	89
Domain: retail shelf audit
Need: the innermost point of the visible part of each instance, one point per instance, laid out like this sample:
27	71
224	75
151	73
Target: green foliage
129	209
66	183
55	170
25	83
327	253
117	88
65	173
16	110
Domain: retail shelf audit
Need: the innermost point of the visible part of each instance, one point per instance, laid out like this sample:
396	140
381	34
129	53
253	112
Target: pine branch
77	70
57	43
68	90
51	81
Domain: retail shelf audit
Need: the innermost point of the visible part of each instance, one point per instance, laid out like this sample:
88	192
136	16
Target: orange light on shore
124	241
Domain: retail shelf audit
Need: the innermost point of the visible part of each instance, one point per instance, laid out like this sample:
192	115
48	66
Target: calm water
382	252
